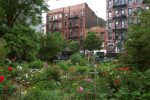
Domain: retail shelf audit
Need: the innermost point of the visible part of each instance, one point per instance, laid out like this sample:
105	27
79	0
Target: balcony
120	29
73	16
73	37
54	20
73	26
120	17
55	29
115	6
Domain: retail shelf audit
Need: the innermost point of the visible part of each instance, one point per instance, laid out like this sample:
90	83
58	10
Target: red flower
1	79
10	69
123	69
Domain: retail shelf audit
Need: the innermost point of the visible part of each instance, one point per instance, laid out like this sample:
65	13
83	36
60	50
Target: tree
21	11
23	42
51	45
138	44
74	46
92	42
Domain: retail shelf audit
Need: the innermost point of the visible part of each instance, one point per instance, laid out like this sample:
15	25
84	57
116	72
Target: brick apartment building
119	14
73	21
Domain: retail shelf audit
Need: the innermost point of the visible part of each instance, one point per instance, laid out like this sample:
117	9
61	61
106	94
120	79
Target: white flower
26	75
19	67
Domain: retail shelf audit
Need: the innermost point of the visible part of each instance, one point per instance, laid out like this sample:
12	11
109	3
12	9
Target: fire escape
74	26
55	24
120	26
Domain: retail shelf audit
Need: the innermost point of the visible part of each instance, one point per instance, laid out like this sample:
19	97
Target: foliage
92	42
35	64
78	59
23	42
21	11
7	87
3	51
138	44
131	89
63	65
74	46
51	45
38	94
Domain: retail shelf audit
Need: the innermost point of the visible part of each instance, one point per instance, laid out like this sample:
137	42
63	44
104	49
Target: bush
38	94
134	90
63	65
35	64
3	51
78	59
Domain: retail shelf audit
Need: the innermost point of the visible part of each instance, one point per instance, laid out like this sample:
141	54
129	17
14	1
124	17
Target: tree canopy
51	45
23	42
74	46
138	43
20	11
92	42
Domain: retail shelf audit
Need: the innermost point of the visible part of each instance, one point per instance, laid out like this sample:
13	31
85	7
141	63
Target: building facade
120	13
73	21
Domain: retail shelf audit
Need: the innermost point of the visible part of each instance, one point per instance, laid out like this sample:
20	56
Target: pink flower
88	80
80	89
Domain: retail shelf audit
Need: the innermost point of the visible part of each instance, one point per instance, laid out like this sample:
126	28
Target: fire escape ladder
116	44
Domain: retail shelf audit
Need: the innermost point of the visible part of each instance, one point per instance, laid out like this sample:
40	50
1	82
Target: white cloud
98	6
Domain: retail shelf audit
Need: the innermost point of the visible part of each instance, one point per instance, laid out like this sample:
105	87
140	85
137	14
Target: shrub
78	59
63	65
35	64
38	94
3	51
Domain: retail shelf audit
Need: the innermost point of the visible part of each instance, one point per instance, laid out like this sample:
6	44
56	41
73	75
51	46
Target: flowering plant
10	69
2	78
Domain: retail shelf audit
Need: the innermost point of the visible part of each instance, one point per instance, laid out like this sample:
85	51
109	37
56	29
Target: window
129	2
116	23
109	25
102	44
116	13
123	12
66	15
123	1
49	18
109	14
60	16
82	13
109	3
109	35
129	11
55	16
102	35
138	1
123	24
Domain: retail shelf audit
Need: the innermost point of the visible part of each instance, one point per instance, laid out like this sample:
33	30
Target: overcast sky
98	6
